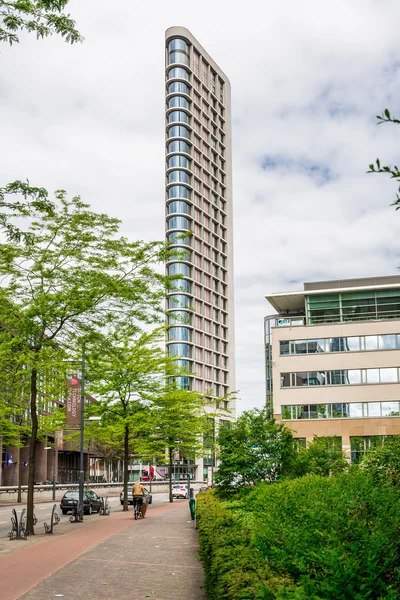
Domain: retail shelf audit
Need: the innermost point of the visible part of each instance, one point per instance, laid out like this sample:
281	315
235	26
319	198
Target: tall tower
199	200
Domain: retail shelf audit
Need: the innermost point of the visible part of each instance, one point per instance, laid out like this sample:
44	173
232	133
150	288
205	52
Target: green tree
255	448
377	167
69	275
324	456
44	17
179	422
125	371
384	463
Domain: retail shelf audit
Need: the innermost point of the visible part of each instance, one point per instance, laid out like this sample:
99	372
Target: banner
59	438
73	403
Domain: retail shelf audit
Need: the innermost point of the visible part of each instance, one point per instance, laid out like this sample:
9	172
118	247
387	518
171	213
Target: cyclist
138	494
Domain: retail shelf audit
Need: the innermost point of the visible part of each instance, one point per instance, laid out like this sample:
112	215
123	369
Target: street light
54	468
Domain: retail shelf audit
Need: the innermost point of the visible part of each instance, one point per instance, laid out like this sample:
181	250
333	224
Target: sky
308	79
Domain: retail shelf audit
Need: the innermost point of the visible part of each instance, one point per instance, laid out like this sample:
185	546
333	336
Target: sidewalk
115	558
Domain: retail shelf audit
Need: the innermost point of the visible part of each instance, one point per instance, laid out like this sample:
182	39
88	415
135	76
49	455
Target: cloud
307	80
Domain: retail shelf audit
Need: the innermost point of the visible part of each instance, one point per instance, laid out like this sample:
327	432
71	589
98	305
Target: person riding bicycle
138	494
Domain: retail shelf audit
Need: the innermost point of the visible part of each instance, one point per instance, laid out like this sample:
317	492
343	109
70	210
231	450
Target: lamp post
54	468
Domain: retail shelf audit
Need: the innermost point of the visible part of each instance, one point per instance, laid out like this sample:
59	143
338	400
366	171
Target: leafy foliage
324	457
254	449
384	463
376	167
309	538
44	17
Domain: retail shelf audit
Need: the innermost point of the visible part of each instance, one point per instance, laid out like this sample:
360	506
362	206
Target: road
43	512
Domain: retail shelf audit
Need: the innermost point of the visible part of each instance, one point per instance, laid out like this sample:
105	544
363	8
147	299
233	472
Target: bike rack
14	533
55	519
105	507
78	513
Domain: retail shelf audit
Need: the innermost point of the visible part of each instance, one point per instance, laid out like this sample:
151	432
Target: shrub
310	538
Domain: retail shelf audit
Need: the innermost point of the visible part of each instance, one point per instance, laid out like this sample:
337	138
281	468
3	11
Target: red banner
73	404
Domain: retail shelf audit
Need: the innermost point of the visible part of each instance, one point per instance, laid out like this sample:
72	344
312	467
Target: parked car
179	491
91	502
149	497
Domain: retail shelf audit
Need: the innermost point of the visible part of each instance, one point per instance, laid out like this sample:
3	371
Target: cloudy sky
307	80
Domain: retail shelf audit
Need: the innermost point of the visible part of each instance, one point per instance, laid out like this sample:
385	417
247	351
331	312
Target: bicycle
137	507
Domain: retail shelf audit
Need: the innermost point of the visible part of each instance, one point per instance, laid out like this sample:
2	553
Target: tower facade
198	174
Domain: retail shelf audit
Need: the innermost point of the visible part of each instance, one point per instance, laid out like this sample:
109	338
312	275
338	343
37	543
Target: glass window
178	223
351	344
179	334
371	342
179	300
314	346
178	146
313	411
178	57
337	411
180	285
177	44
179	269
178	177
355	409
178	102
179	316
178	116
388	304
178	207
337	377
178	73
337	344
390	409
353	376
178	131
387	342
317	378
284	348
358	306
178	161
323	308
178	239
389	375
179	350
285	379
178	87
372	375
286	412
178	191
302	412
182	364
374	409
299	379
322	410
182	382
300	347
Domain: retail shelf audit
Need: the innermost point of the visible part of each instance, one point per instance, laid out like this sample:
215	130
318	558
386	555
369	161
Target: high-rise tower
199	200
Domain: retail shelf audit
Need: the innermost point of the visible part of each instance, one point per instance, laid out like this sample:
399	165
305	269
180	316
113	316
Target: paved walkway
115	558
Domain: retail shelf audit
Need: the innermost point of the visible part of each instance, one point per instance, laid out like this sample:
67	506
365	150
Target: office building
333	361
199	203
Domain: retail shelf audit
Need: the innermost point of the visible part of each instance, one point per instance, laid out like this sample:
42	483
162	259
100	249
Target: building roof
294	302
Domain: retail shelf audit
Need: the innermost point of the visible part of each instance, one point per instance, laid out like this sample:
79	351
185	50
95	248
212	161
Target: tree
44	17
376	167
324	456
384	463
179	422
125	371
70	274
255	448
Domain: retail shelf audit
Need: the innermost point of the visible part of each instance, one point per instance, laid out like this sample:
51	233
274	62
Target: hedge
312	538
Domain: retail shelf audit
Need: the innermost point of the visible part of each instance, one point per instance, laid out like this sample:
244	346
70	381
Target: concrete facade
199	203
317	372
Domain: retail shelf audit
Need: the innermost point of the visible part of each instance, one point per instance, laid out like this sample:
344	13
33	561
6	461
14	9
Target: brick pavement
155	557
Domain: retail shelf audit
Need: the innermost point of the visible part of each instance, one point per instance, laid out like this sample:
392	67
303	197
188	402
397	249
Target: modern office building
333	361
199	215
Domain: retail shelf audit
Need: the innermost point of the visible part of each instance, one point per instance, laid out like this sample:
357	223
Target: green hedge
312	538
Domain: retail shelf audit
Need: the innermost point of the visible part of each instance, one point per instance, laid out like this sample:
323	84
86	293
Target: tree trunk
126	463
32	452
170	475
19	495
